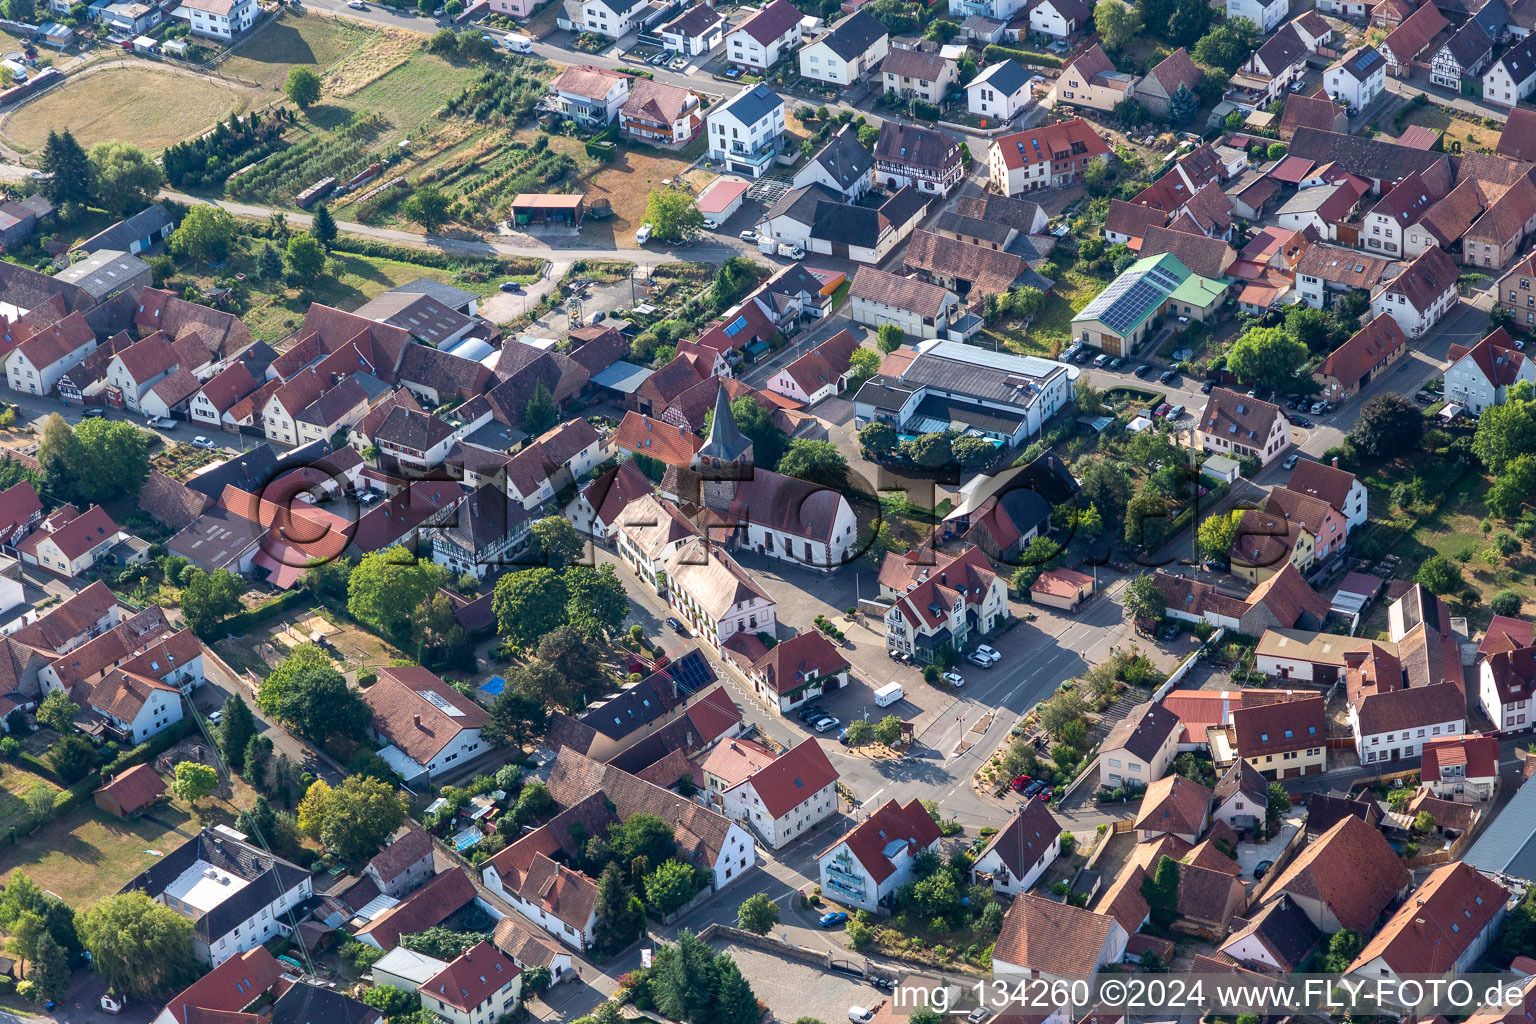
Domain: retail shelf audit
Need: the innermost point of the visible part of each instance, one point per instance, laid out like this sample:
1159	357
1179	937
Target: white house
1000	91
611	18
68	543
1356	78
137	368
1268	16
428	726
920	309
791	673
819	373
1506	686
1462	55
1512	77
762	39
35	366
590	95
1238	426
1338	487
997	10
1140	747
1463	769
1386	226
1480	377
217	19
744	132
1059	18
780	799
1419	296
1390	725
876	857
1020	853
1050	941
1241	797
716	597
1045	157
842	165
854	47
134	706
697	30
478	986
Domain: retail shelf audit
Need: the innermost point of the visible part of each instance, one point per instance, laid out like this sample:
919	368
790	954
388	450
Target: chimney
417	720
1418	927
1335	462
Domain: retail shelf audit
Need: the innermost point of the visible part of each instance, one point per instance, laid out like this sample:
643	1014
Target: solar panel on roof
736	326
690	672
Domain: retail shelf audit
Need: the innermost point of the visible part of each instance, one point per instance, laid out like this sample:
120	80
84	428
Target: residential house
131	792
19	219
1281	739
77	619
1266	16
1462	56
403	865
612	18
440	898
1479	377
479	985
1339	488
1241	798
107	273
528	949
1517	292
1279	602
1242	427
855	47
820	372
927	160
1389	720
1050	156
1512	77
600	502
1322	209
1409	40
1276	939
1443	928
69	542
1139	748
1504	633
920	73
920	309
20	512
1091	81
1311	112
35	366
843	165
876	856
481	534
661	114
427	726
1353	364
591	96
781	798
1018	854
762	39
795	671
231	987
699	29
1422	294
1207	257
1516	140
1061	588
217	19
744	131
236	895
1001	91
918	581
1270	71
1059	18
1119	318
1385	225
1506	686
413	442
1177	70
1357	78
137	368
714	595
1174	806
1464	769
1344	879
1044	939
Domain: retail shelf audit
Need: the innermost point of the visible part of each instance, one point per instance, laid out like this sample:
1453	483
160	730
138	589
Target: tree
682	979
817	462
931	451
642	836
515	718
1505	602
1190	20
1107	488
58	712
756	423
1513	487
1162	892
1505	432
1143	600
864	363
24	11
302	88
1221	48
670	886
1217	533
545	684
889	338
359	816
204	235
1042	554
138	946
1424	823
1183	105
314	807
307	692
195	781
528	604
541	413
209	598
972	452
323	226
1438	574
859	733
235	730
672	215
888	730
1147	520
72	757
100	460
557	542
597	604
757	914
733	994
1266	355
386	592
877	438
427	206
441	943
50	969
392	1001
303	259
1117	24
1389	425
269	262
616	922
736	276
126	177
66	170
1343	948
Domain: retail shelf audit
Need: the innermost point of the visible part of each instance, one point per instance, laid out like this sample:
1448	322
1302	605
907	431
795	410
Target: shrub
1505	602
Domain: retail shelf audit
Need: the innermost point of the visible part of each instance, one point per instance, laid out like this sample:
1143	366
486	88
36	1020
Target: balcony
758	158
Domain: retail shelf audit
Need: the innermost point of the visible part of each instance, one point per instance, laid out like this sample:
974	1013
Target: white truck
889	694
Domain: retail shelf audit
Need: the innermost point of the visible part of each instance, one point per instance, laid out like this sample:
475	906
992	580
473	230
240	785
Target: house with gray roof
842	165
135	234
744	132
106	272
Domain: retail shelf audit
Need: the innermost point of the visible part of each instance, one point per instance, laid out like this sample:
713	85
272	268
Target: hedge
1042	60
37	766
244	621
151	748
361	246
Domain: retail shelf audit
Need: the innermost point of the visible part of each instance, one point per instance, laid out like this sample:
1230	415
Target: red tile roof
789	664
1060	141
1479	755
135	789
790	780
478	973
232	986
658	439
1440	921
1052	938
1281	726
432	904
1506	634
1351	870
404	716
1175	805
889	823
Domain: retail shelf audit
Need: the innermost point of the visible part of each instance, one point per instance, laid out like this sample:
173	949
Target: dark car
1168	376
678	627
1261	867
810	713
1301	421
1171	633
91	414
1033	788
510	286
1143	370
1205	388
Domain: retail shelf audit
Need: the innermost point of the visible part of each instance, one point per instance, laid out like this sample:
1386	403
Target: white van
643	234
889	694
519	44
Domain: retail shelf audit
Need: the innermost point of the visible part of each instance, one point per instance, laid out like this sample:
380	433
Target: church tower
726	457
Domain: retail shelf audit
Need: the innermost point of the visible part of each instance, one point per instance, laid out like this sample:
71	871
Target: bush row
1042	60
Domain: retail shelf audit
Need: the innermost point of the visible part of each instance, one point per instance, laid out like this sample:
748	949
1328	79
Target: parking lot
793	989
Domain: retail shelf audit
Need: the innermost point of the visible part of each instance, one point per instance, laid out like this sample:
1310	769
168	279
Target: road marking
872	796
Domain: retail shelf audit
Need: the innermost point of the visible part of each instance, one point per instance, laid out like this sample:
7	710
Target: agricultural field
125	102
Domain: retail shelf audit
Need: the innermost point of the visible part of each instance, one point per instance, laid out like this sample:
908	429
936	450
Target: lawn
88	854
626	182
295	40
1474	137
411	94
125	103
13	788
1052	329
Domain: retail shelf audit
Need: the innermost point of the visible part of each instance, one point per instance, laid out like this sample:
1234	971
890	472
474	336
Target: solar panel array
1132	306
691	672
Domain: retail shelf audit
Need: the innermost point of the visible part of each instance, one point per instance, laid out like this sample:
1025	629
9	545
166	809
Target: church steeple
726	458
725	442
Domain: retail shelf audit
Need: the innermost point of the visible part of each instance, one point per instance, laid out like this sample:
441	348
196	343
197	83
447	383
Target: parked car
833	918
1019	783
357	5
977	659
810	714
1291	460
825	724
1045	794
1168	376
160	422
1261	867
1161	410
953	678
1301	421
1318	408
1424	396
1205	388
987	652
978	1015
1175	412
1102	360
215	717
91	414
678	627
643	233
1033	788
1117	363
1143	370
859	1015
202	442
748	235
510	286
